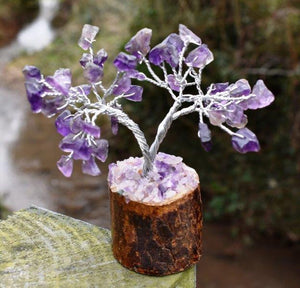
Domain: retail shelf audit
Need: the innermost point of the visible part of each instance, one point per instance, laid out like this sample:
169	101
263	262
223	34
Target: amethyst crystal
199	57
114	125
91	129
90	167
207	146
187	36
69	143
65	165
78	146
61	80
83	90
167	51
235	116
247	143
31	72
205	135
88	35
125	62
139	45
101	149
100	57
240	88
218	87
51	106
34	91
76	124
262	97
63	123
34	88
161	53
85	59
174	85
93	72
216	117
136	75
175	41
134	93
82	151
122	85
37	90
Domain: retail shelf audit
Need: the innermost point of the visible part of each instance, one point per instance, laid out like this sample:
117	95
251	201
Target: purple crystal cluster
223	103
180	57
51	96
169	177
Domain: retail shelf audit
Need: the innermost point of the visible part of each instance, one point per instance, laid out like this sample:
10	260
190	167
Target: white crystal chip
169	178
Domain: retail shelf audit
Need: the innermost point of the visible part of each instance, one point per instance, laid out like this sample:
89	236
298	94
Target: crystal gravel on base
169	177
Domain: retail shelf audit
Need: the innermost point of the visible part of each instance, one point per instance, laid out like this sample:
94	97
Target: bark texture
157	239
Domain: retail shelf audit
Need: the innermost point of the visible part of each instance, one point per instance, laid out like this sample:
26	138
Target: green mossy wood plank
40	248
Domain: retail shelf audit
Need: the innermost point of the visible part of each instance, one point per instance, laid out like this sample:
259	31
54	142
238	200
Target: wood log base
157	239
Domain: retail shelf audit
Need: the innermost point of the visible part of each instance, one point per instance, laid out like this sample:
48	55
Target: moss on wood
40	248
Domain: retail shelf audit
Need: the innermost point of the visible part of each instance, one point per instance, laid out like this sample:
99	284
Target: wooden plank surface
41	248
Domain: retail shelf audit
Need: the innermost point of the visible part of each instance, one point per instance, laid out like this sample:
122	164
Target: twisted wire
138	134
162	130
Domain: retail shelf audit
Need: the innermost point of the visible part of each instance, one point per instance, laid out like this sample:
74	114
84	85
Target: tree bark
157	239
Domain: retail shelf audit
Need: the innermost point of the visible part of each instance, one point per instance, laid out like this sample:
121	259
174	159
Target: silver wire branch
225	96
184	111
100	85
108	92
153	74
163	129
138	134
164	69
159	84
96	93
181	58
231	133
187	72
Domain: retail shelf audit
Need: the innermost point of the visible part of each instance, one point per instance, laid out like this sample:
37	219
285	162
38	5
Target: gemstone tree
222	104
156	206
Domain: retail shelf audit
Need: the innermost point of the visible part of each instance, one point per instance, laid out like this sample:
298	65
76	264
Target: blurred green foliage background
256	193
252	40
